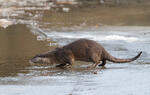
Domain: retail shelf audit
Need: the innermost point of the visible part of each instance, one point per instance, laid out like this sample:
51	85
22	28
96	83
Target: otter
81	50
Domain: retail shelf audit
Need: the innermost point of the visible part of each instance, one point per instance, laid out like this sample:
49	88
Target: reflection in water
17	42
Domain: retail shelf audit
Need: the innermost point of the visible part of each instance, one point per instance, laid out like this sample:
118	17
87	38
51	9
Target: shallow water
33	29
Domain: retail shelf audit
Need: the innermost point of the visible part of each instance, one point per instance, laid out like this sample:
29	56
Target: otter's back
82	48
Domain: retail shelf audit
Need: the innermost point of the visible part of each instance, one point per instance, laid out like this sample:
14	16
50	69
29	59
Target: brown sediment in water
17	46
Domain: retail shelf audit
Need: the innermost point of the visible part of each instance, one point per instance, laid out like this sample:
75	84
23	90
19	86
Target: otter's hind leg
94	58
95	63
103	63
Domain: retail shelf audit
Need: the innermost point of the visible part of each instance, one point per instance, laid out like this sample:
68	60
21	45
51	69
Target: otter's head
40	59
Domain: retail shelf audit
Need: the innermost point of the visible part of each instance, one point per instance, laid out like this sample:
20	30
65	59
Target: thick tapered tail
117	60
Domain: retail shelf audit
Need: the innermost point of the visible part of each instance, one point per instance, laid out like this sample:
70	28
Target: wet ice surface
122	79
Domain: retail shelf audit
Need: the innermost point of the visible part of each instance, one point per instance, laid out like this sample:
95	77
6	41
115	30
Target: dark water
26	31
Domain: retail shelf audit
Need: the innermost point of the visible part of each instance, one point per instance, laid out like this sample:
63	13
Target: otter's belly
83	59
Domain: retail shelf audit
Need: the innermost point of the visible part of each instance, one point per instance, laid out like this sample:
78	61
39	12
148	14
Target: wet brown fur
82	50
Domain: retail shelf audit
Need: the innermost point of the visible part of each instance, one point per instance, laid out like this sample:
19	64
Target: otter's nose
32	61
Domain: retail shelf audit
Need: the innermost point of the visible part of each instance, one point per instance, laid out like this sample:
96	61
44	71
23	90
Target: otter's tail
117	60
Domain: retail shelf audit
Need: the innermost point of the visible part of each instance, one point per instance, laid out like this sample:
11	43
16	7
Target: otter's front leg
64	66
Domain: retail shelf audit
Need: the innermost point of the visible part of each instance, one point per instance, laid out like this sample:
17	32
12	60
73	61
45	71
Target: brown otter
82	50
